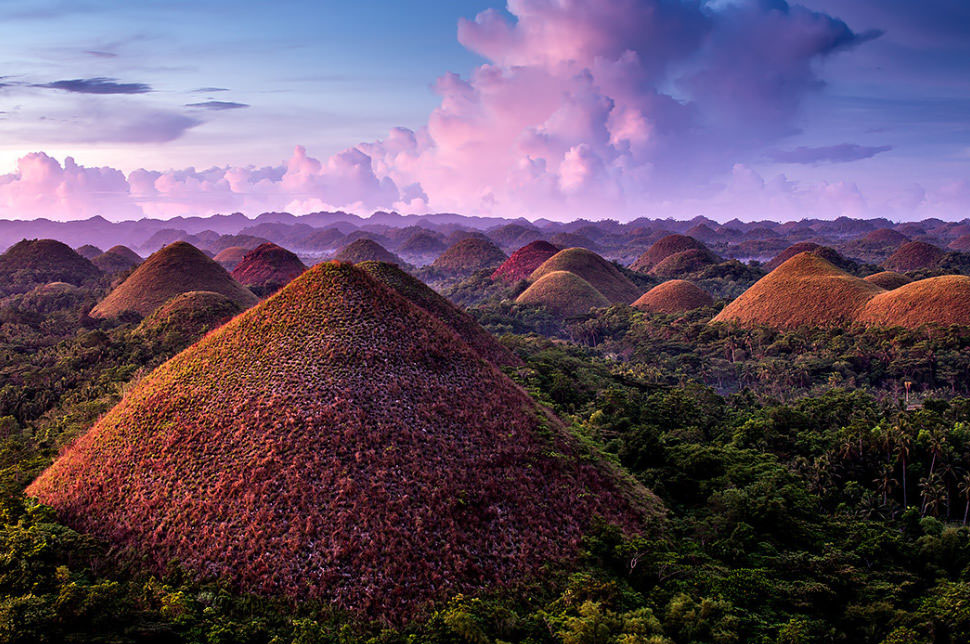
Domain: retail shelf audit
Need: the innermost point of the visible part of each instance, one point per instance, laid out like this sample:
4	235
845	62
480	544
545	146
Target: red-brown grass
826	253
366	250
601	275
564	294
806	290
961	244
177	268
673	296
914	256
524	261
937	300
684	263
269	267
32	262
188	316
664	248
888	280
470	255
229	258
117	259
337	443
88	251
885	236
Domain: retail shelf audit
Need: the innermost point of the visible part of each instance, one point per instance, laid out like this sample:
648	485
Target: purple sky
541	108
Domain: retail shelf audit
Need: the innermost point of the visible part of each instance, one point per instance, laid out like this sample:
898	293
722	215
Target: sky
537	108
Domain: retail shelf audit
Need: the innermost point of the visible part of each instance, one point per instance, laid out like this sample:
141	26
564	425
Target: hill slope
177	268
366	250
664	248
828	254
522	262
601	275
268	267
939	300
673	296
565	294
684	263
117	259
336	442
913	256
470	255
32	262
888	280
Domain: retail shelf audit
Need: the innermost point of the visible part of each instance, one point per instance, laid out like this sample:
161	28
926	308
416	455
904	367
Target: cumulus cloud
99	85
842	153
218	106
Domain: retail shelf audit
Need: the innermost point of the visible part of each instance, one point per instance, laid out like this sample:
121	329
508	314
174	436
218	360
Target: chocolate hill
366	250
177	268
914	256
673	296
187	317
32	262
961	243
885	236
268	267
464	325
826	253
522	262
806	290
338	443
229	258
601	275
684	263
564	294
469	256
888	280
88	251
937	300
117	259
664	248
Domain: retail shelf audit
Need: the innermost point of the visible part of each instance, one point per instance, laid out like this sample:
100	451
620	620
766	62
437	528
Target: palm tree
902	442
965	492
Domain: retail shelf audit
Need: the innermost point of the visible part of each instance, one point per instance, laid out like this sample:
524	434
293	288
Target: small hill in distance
599	273
828	254
937	300
88	251
885	236
673	296
116	259
34	262
664	248
338	443
564	293
806	290
175	269
961	243
229	258
684	263
914	256
470	255
888	280
366	250
268	268
185	318
524	261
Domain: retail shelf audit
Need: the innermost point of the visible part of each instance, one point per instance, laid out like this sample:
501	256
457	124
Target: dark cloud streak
842	153
97	85
217	106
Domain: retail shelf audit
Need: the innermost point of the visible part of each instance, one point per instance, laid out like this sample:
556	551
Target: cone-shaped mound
422	242
828	254
664	248
937	300
230	257
885	236
565	294
961	243
88	251
336	442
470	255
268	267
187	317
888	280
601	275
464	325
523	261
366	250
914	256
32	262
807	290
673	296
177	268
116	260
684	263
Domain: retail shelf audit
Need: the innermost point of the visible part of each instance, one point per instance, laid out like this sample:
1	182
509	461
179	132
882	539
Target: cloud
100	54
842	153
209	90
217	105
98	85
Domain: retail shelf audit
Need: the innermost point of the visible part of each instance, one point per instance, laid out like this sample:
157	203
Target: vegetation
673	296
267	268
468	256
564	294
888	280
664	248
914	256
366	250
601	275
524	261
33	262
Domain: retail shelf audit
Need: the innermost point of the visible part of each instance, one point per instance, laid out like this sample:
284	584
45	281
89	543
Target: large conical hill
366	250
673	296
268	267
937	300
33	262
601	274
664	248
470	255
522	262
564	294
337	442
175	269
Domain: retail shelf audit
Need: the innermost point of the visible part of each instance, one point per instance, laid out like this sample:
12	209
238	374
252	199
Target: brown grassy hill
469	256
937	300
324	239
366	250
464	325
117	259
807	290
338	443
32	262
177	268
961	243
684	263
229	258
522	262
673	296
185	318
88	251
888	280
885	236
268	267
664	248
826	253
913	256
564	294
423	242
602	275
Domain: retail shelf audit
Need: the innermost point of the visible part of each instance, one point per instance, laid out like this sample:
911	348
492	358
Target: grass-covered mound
828	254
187	317
601	275
684	263
914	256
885	236
422	242
961	243
522	262
664	248
117	259
268	267
469	256
366	250
88	251
888	280
229	258
337	442
34	262
177	268
564	294
673	296
937	300
807	290
464	325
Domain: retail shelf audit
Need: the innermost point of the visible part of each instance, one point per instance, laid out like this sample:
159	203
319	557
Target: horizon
759	111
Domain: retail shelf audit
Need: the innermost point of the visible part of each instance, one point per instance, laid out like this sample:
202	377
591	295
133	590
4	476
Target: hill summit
32	262
565	294
177	268
673	296
522	262
664	248
601	274
336	442
937	300
268	267
470	255
366	250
